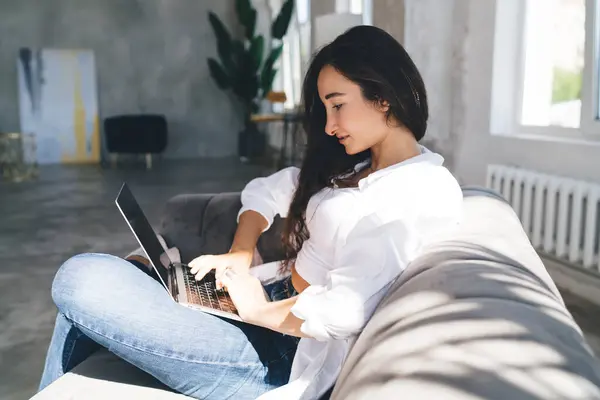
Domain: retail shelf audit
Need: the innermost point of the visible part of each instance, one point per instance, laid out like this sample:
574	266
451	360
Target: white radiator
560	215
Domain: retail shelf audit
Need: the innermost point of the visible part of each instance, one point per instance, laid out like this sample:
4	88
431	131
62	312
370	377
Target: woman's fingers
226	278
195	264
201	266
219	271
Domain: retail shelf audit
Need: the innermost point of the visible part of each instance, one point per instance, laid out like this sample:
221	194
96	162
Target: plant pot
252	143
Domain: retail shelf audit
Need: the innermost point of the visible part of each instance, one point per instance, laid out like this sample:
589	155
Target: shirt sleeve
373	256
270	195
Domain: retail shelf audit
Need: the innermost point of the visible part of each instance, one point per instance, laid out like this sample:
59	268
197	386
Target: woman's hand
238	261
247	293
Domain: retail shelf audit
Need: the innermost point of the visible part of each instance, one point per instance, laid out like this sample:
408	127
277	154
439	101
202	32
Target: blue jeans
105	301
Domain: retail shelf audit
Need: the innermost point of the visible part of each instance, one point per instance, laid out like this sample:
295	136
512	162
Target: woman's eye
338	106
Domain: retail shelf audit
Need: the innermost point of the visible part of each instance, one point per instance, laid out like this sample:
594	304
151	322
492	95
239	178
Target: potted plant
243	69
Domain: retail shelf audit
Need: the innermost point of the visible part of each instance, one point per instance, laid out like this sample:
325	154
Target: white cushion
105	376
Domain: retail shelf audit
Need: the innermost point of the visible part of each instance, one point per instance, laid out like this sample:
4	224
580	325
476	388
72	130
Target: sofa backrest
476	316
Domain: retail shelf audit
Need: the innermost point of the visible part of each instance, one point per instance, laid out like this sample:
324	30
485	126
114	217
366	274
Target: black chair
136	134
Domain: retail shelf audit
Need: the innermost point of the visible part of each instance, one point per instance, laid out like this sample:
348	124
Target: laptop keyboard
205	293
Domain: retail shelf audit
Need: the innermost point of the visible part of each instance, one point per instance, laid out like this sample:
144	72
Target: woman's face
356	122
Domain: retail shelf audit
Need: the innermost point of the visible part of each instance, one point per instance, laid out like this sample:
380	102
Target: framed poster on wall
58	104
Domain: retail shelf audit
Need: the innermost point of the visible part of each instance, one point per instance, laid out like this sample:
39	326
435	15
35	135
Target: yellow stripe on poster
82	153
95	153
79	117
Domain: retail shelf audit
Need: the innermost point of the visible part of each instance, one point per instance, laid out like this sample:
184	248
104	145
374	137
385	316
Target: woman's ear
384	105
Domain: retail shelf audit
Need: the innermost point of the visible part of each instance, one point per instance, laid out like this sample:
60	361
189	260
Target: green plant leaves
282	22
219	74
250	28
245	87
266	80
257	48
222	35
240	63
273	56
268	71
247	16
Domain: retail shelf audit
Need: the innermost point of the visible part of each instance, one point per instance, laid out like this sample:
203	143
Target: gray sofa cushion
205	224
475	317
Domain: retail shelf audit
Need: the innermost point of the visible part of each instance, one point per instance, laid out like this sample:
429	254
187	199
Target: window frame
507	97
590	123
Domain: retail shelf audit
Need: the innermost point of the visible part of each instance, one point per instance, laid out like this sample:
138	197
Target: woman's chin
347	149
350	150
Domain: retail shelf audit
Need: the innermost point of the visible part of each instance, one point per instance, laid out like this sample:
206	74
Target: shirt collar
426	156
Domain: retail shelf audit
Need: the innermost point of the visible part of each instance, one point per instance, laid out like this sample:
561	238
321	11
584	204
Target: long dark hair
375	61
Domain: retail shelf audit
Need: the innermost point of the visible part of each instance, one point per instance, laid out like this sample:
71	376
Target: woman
366	201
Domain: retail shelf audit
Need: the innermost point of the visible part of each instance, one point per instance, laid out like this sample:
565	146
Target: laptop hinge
173	282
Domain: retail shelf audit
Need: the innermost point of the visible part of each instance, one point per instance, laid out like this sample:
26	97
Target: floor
71	210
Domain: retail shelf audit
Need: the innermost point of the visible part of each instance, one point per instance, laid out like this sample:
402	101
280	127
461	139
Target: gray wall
433	40
389	15
150	57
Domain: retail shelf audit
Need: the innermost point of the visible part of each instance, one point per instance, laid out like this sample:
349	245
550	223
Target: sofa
476	316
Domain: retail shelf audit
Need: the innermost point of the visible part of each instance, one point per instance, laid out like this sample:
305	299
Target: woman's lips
343	138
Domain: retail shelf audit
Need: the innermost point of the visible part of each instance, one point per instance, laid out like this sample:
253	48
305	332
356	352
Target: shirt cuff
262	210
305	308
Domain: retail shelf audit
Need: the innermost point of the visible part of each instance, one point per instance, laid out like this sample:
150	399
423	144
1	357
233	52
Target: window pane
349	6
554	56
303	11
356	6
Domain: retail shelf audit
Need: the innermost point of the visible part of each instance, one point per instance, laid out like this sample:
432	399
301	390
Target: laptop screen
142	230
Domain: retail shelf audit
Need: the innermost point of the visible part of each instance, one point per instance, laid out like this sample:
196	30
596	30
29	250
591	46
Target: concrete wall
428	38
317	8
389	15
150	57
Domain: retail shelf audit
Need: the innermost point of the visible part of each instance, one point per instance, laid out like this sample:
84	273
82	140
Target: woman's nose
330	127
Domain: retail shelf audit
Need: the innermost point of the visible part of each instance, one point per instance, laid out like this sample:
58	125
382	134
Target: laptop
177	279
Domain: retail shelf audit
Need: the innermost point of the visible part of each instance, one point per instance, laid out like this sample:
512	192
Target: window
303	11
296	51
295	55
360	7
356	6
546	68
553	40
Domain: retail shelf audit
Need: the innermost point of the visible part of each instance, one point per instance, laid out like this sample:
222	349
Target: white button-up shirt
361	239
